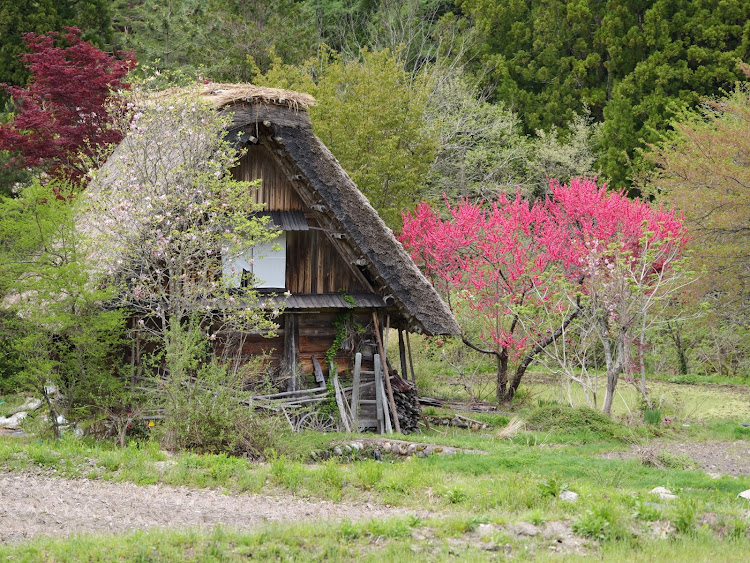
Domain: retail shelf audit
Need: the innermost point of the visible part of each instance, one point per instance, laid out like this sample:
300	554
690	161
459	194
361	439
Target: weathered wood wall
276	190
314	335
313	263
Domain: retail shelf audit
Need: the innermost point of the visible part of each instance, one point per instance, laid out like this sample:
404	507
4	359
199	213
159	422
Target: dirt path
33	505
715	457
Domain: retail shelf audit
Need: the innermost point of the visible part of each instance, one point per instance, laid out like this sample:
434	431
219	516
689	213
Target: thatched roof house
338	253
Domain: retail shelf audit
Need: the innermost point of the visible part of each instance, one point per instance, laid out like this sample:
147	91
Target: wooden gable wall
313	264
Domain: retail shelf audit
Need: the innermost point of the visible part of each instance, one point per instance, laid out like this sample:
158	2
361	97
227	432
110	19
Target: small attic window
262	265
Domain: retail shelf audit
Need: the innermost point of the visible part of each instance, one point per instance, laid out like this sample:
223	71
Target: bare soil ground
32	505
717	457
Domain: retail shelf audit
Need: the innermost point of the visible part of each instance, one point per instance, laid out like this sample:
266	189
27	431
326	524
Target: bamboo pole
384	365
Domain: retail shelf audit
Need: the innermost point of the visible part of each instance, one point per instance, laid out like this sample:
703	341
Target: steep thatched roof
369	244
221	95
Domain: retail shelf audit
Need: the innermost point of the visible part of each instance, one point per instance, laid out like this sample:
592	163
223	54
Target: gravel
32	505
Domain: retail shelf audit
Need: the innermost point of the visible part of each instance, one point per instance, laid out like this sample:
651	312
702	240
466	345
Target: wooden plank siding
276	191
313	264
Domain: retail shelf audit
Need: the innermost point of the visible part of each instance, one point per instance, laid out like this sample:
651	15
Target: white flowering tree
164	213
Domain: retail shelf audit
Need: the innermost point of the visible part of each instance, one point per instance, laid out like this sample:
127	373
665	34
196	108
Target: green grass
447	539
517	479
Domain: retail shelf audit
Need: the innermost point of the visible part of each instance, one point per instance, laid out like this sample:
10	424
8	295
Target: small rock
715	475
556	530
13	421
525	529
570	496
664	493
338	451
745	494
660	490
387	447
356	446
28	405
485	530
421	454
661	529
411	448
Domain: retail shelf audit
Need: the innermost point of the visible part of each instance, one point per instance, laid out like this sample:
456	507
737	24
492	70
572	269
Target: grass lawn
477	501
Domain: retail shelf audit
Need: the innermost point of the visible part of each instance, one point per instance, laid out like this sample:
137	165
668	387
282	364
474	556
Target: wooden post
387	428
355	391
384	367
411	362
402	354
290	351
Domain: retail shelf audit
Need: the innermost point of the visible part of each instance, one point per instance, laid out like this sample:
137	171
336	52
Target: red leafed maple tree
503	262
62	113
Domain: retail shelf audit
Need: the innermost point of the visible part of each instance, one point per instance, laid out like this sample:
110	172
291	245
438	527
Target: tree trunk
502	376
642	360
516	381
541	345
675	335
613	357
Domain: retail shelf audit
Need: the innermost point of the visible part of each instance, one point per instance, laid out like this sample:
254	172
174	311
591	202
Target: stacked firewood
407	404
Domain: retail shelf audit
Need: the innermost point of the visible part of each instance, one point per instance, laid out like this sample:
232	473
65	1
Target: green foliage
370	115
685	516
652	416
64	337
205	407
552	486
647	511
632	64
18	18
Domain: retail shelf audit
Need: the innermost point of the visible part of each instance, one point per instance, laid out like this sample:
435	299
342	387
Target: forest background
421	100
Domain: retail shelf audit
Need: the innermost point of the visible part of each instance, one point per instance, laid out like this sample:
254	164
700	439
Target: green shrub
581	420
600	523
685	517
647	511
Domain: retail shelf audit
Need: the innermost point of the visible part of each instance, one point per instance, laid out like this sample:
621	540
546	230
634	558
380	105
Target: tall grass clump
583	421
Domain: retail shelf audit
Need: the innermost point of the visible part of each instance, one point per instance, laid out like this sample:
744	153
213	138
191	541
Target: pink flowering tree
494	262
583	253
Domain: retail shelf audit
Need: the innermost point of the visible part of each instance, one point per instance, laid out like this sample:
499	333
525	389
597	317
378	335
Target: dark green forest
422	100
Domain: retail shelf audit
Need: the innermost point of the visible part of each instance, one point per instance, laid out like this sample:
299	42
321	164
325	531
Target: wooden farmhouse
336	267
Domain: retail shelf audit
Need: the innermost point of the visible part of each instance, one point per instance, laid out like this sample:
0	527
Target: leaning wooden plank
355	390
378	396
386	376
318	371
340	402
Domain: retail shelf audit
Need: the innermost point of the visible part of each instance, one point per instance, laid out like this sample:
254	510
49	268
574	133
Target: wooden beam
384	367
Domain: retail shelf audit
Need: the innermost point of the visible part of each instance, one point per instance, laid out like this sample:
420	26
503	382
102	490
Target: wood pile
407	404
